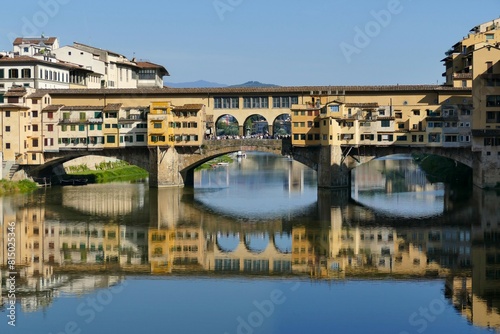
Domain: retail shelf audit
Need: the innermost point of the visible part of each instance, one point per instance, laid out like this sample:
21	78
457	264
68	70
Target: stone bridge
174	166
334	163
171	167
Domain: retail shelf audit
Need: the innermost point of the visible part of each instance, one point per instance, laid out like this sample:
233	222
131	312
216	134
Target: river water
254	247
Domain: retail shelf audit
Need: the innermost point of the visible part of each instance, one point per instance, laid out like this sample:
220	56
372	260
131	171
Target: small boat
241	154
74	182
222	163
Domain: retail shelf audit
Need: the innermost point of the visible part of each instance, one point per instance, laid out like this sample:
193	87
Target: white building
30	46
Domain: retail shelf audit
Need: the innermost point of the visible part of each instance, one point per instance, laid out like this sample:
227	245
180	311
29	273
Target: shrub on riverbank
441	169
209	164
125	172
11	187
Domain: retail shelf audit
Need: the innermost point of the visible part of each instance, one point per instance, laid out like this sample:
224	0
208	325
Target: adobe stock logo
364	36
223	6
32	26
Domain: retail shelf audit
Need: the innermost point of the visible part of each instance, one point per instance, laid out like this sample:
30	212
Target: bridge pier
164	170
332	171
486	171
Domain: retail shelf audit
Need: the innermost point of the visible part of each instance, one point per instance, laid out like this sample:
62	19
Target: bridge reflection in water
67	251
76	240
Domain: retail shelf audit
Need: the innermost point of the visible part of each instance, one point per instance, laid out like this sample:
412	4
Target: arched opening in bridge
256	125
92	168
228	242
283	242
282	125
398	186
256	242
227	125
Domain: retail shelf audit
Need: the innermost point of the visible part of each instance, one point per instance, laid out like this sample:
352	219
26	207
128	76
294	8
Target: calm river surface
254	247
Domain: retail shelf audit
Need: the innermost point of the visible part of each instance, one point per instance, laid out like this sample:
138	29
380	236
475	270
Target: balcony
152	117
462	76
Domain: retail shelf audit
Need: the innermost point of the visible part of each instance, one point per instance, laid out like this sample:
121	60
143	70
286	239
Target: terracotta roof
269	90
112	107
149	65
15	93
53	107
78	108
37	95
193	106
34	40
12	106
83	47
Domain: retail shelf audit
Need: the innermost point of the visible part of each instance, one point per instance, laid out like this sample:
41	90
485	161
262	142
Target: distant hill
254	84
193	84
208	84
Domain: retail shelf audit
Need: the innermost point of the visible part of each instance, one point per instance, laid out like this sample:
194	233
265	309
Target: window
226	103
493	117
35	127
334	108
256	102
81	127
489	37
35	143
157	125
450	138
26	73
493	100
434	138
7	113
110	139
284	101
489	67
7	146
464	139
7	128
13	73
2	74
50	127
416	112
385	123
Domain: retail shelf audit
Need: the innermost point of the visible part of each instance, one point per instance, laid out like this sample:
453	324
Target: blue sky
285	42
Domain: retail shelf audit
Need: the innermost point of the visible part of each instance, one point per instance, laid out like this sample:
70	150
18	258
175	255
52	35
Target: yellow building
459	61
159	132
161	242
382	116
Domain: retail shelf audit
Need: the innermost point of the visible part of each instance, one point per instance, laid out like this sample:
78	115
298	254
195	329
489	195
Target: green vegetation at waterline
440	169
214	162
108	172
12	187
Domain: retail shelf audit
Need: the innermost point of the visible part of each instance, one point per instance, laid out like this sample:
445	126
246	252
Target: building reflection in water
59	252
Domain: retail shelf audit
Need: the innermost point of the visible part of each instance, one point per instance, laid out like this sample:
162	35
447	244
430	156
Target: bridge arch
227	243
256	243
137	156
255	124
282	125
214	148
282	242
227	125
